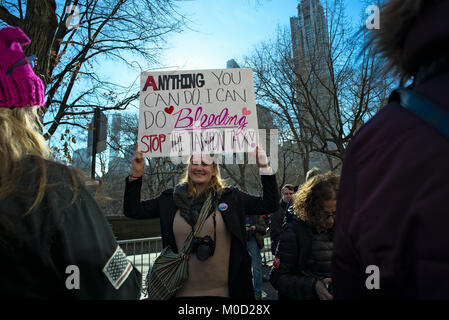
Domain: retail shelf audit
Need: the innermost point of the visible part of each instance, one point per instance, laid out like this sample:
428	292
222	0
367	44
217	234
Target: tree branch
9	18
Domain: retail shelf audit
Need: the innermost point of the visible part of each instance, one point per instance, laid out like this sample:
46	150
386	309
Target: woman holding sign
218	261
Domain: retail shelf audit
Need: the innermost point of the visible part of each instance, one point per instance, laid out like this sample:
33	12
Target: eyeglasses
327	215
31	60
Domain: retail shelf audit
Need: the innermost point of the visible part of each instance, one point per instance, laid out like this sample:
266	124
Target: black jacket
276	222
37	249
302	257
260	232
239	205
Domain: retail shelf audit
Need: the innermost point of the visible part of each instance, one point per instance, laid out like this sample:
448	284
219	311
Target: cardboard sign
197	111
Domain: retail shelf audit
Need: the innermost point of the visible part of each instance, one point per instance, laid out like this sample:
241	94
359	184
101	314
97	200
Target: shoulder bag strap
433	114
198	225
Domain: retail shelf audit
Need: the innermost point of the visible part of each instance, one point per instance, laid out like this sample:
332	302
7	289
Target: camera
203	247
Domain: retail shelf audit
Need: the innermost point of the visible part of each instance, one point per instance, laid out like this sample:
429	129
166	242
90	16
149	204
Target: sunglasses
31	60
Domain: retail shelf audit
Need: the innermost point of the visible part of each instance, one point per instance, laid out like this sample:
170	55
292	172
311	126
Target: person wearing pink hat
55	242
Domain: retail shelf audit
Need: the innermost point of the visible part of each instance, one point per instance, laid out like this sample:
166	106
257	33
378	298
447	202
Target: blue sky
229	29
219	30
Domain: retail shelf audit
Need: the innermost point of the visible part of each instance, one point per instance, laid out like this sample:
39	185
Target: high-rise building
311	53
232	64
310	38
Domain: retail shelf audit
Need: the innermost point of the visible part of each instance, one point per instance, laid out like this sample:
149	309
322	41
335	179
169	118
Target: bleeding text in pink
223	120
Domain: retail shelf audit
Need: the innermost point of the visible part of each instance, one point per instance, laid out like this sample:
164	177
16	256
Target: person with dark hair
391	239
225	270
277	217
302	265
55	242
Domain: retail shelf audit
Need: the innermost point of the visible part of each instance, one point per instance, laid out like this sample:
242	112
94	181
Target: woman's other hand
138	164
322	291
261	157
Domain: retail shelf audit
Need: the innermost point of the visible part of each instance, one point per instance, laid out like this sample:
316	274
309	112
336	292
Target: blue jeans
256	263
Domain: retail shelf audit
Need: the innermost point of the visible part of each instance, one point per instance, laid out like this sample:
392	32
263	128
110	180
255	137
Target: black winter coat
260	232
302	257
276	222
36	249
239	205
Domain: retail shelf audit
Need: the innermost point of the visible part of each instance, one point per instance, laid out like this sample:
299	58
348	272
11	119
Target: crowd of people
386	211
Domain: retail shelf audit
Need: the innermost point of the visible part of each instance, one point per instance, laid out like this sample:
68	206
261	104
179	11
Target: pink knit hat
19	86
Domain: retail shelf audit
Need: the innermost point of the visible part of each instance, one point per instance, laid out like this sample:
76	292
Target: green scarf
189	208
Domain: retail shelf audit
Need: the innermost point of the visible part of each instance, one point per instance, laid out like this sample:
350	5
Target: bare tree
159	174
71	40
323	91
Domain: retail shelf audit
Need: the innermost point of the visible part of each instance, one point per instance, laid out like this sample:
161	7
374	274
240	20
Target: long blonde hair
216	183
19	138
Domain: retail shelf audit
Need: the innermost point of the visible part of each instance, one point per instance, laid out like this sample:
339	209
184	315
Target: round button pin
223	206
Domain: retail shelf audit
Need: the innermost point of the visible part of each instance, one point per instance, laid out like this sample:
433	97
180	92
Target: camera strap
215	228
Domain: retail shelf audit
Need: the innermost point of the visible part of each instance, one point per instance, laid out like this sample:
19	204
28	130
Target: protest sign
189	112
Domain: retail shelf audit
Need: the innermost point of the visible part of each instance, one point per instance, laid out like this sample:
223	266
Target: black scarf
189	208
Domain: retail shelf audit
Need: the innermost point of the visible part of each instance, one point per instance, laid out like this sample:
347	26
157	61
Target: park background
315	81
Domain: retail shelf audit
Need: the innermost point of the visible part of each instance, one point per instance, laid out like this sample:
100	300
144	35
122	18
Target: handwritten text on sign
186	112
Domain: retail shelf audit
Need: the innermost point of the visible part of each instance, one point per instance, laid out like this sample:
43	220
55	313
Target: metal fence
143	252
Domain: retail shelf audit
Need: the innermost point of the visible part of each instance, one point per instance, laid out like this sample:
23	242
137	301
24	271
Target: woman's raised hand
261	157
138	164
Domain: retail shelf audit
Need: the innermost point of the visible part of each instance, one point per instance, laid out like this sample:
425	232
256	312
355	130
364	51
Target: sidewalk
268	292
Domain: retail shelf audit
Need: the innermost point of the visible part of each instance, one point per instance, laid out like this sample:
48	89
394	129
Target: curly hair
309	199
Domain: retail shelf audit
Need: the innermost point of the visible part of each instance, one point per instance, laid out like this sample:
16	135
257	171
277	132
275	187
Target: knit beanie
19	86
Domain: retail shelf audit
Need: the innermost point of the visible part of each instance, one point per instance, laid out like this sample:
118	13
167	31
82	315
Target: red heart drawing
169	110
246	112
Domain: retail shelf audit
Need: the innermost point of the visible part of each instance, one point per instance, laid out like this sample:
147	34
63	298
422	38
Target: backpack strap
432	113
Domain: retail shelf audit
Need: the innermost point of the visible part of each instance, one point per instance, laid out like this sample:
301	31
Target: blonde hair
216	182
19	137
